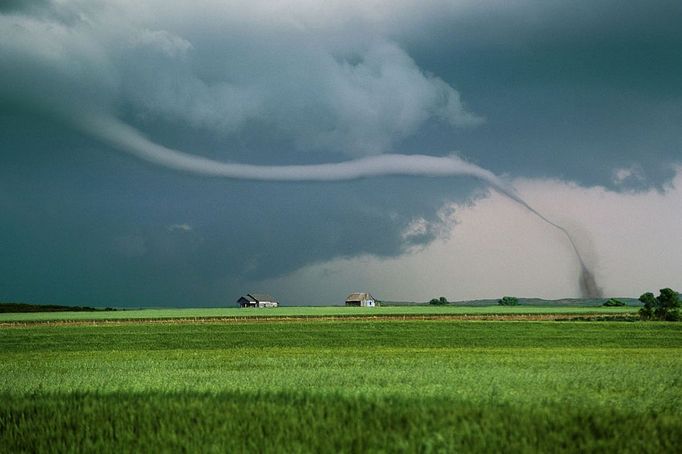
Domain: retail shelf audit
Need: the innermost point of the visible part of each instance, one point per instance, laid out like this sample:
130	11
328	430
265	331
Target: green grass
367	385
302	311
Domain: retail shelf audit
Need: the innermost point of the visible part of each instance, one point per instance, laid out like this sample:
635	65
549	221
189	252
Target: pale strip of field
310	311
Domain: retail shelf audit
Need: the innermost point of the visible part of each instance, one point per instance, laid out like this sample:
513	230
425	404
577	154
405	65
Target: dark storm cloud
569	89
15	6
580	91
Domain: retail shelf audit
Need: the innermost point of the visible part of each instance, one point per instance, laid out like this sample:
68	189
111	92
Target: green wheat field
310	311
353	385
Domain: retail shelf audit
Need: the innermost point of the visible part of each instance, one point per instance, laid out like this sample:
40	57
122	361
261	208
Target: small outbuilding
361	299
257	300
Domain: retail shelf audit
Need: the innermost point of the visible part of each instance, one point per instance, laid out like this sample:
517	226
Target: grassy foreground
342	386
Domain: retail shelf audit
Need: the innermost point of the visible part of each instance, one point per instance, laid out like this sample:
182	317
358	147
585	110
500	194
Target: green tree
666	306
614	302
508	301
649	300
439	301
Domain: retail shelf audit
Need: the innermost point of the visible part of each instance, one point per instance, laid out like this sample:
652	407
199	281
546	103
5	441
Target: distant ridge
573	302
22	307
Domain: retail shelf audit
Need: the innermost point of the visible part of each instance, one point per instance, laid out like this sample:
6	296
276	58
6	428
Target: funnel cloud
126	138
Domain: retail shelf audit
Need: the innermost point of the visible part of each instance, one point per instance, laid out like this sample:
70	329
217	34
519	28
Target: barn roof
359	296
257	297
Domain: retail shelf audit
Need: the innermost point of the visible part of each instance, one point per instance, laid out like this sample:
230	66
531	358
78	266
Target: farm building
257	300
360	299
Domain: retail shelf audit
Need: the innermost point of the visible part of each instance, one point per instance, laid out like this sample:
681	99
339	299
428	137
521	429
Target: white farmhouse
361	299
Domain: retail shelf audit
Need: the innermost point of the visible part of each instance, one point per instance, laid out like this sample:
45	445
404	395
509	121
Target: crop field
312	311
342	386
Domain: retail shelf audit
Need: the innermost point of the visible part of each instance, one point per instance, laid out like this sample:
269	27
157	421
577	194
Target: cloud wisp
128	139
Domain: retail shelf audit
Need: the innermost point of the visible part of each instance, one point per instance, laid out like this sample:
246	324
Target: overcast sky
105	105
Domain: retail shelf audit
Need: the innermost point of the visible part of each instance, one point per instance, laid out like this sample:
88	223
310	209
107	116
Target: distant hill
573	302
22	307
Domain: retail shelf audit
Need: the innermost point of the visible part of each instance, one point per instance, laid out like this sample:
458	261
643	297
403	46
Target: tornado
126	138
587	282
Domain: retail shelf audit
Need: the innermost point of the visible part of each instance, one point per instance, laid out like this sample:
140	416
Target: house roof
359	296
258	297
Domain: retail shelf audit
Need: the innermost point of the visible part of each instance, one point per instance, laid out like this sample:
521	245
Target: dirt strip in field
329	318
